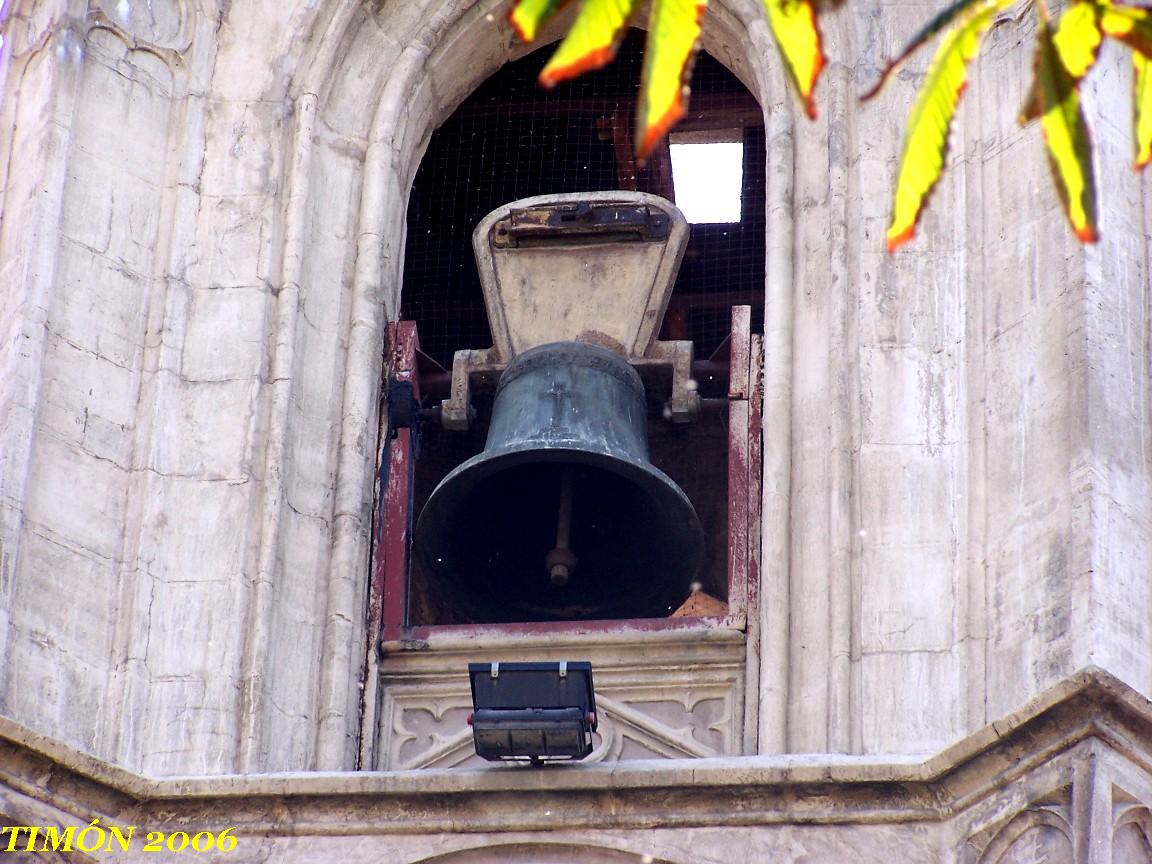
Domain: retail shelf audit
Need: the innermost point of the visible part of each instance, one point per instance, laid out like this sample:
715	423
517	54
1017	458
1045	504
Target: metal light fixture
535	711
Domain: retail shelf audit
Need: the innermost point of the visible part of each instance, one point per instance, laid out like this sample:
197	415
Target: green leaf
794	25
528	16
1077	37
926	33
673	29
1055	99
592	41
1142	108
926	138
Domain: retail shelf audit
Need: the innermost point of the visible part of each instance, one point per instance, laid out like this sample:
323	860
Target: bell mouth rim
668	494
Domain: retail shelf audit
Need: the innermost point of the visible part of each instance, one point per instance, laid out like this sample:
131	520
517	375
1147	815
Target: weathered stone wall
962	490
202	238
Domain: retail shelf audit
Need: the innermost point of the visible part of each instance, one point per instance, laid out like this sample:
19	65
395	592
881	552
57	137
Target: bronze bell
562	517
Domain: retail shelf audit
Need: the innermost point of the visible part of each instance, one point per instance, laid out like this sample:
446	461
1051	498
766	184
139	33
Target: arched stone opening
361	128
357	167
509	140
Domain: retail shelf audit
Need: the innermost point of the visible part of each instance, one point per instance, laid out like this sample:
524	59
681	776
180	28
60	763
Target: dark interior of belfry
511	139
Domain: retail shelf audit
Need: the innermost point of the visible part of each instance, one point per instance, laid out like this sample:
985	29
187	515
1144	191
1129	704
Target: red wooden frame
392	522
393	518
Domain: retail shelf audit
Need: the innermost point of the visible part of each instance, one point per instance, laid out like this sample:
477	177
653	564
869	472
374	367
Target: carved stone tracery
686	705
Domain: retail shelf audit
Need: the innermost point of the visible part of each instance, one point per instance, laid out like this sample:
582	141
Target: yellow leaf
793	23
1056	100
673	28
926	138
592	41
925	34
1142	108
528	16
1077	37
1131	25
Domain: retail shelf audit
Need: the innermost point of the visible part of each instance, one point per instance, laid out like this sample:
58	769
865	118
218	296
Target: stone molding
675	694
1070	774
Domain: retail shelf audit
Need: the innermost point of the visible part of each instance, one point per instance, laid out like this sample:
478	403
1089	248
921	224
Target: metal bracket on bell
456	412
683	405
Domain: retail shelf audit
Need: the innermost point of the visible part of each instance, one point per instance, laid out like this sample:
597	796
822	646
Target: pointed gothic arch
360	130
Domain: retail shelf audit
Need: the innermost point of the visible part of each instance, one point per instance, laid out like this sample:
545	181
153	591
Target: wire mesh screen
511	139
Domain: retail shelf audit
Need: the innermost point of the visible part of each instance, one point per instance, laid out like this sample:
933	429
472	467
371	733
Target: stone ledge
1072	770
1089	713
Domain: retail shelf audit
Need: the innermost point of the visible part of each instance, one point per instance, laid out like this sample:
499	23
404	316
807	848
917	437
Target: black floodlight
539	711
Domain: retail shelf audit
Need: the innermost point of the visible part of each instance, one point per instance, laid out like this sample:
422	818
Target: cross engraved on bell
559	394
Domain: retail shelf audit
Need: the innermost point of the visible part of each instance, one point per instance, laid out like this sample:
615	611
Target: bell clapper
560	561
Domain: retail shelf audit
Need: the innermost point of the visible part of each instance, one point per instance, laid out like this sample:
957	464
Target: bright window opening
708	178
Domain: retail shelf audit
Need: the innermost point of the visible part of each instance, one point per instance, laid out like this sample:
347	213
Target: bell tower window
510	140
